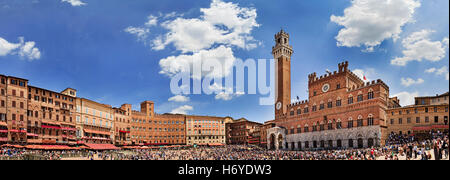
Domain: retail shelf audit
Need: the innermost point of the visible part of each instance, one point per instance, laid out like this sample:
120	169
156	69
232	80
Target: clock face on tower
325	88
278	106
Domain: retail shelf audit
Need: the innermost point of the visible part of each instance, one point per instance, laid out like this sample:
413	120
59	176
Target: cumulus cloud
224	93
368	72
221	23
24	49
74	2
179	98
369	22
406	98
182	109
211	36
184	63
443	71
409	81
419	47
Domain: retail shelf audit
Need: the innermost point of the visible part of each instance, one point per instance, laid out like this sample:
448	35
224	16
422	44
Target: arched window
350	123
338	102
370	120
370	95
360	121
339	124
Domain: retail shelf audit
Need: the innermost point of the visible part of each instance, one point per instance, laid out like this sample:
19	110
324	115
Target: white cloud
182	109
184	63
370	22
206	38
23	49
419	47
409	82
7	47
406	98
221	23
439	72
140	33
74	2
223	93
152	21
179	98
368	72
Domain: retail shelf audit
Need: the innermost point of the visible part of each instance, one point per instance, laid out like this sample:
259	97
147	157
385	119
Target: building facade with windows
94	121
342	111
243	131
51	117
427	114
13	109
122	125
149	128
205	130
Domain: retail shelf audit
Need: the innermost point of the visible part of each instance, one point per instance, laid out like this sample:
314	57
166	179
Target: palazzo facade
342	111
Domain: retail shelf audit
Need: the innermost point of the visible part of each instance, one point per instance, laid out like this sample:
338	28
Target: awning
68	129
49	147
32	134
96	132
50	122
13	146
124	131
102	147
50	127
3	131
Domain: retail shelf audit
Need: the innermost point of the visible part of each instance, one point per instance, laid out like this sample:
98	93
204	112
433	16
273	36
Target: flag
365	79
298	98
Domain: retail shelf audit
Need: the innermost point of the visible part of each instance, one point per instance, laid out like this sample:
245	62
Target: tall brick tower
282	53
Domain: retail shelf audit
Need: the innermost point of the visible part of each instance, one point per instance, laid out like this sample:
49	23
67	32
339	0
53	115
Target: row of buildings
33	115
343	111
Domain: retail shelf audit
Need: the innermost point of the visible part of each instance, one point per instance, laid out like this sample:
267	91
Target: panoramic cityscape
167	83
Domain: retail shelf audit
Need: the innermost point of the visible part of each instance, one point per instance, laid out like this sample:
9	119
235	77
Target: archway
272	142
339	143
280	141
299	144
370	142
360	143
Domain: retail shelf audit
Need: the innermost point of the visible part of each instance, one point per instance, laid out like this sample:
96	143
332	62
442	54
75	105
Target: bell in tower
282	53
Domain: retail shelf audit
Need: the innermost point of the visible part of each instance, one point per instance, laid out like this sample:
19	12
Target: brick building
148	128
122	125
427	114
263	132
202	130
243	131
51	118
33	115
342	111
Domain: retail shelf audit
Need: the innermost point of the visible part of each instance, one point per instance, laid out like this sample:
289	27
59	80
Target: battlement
282	33
368	84
343	68
304	102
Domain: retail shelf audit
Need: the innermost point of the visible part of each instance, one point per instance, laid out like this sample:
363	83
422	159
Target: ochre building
426	115
203	130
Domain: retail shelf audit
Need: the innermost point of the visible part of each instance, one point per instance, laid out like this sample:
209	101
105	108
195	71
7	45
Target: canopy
102	147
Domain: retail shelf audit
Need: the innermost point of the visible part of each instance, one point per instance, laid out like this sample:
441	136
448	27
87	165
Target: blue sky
95	46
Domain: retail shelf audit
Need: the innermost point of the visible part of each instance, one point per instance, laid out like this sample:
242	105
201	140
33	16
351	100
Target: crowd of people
398	147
